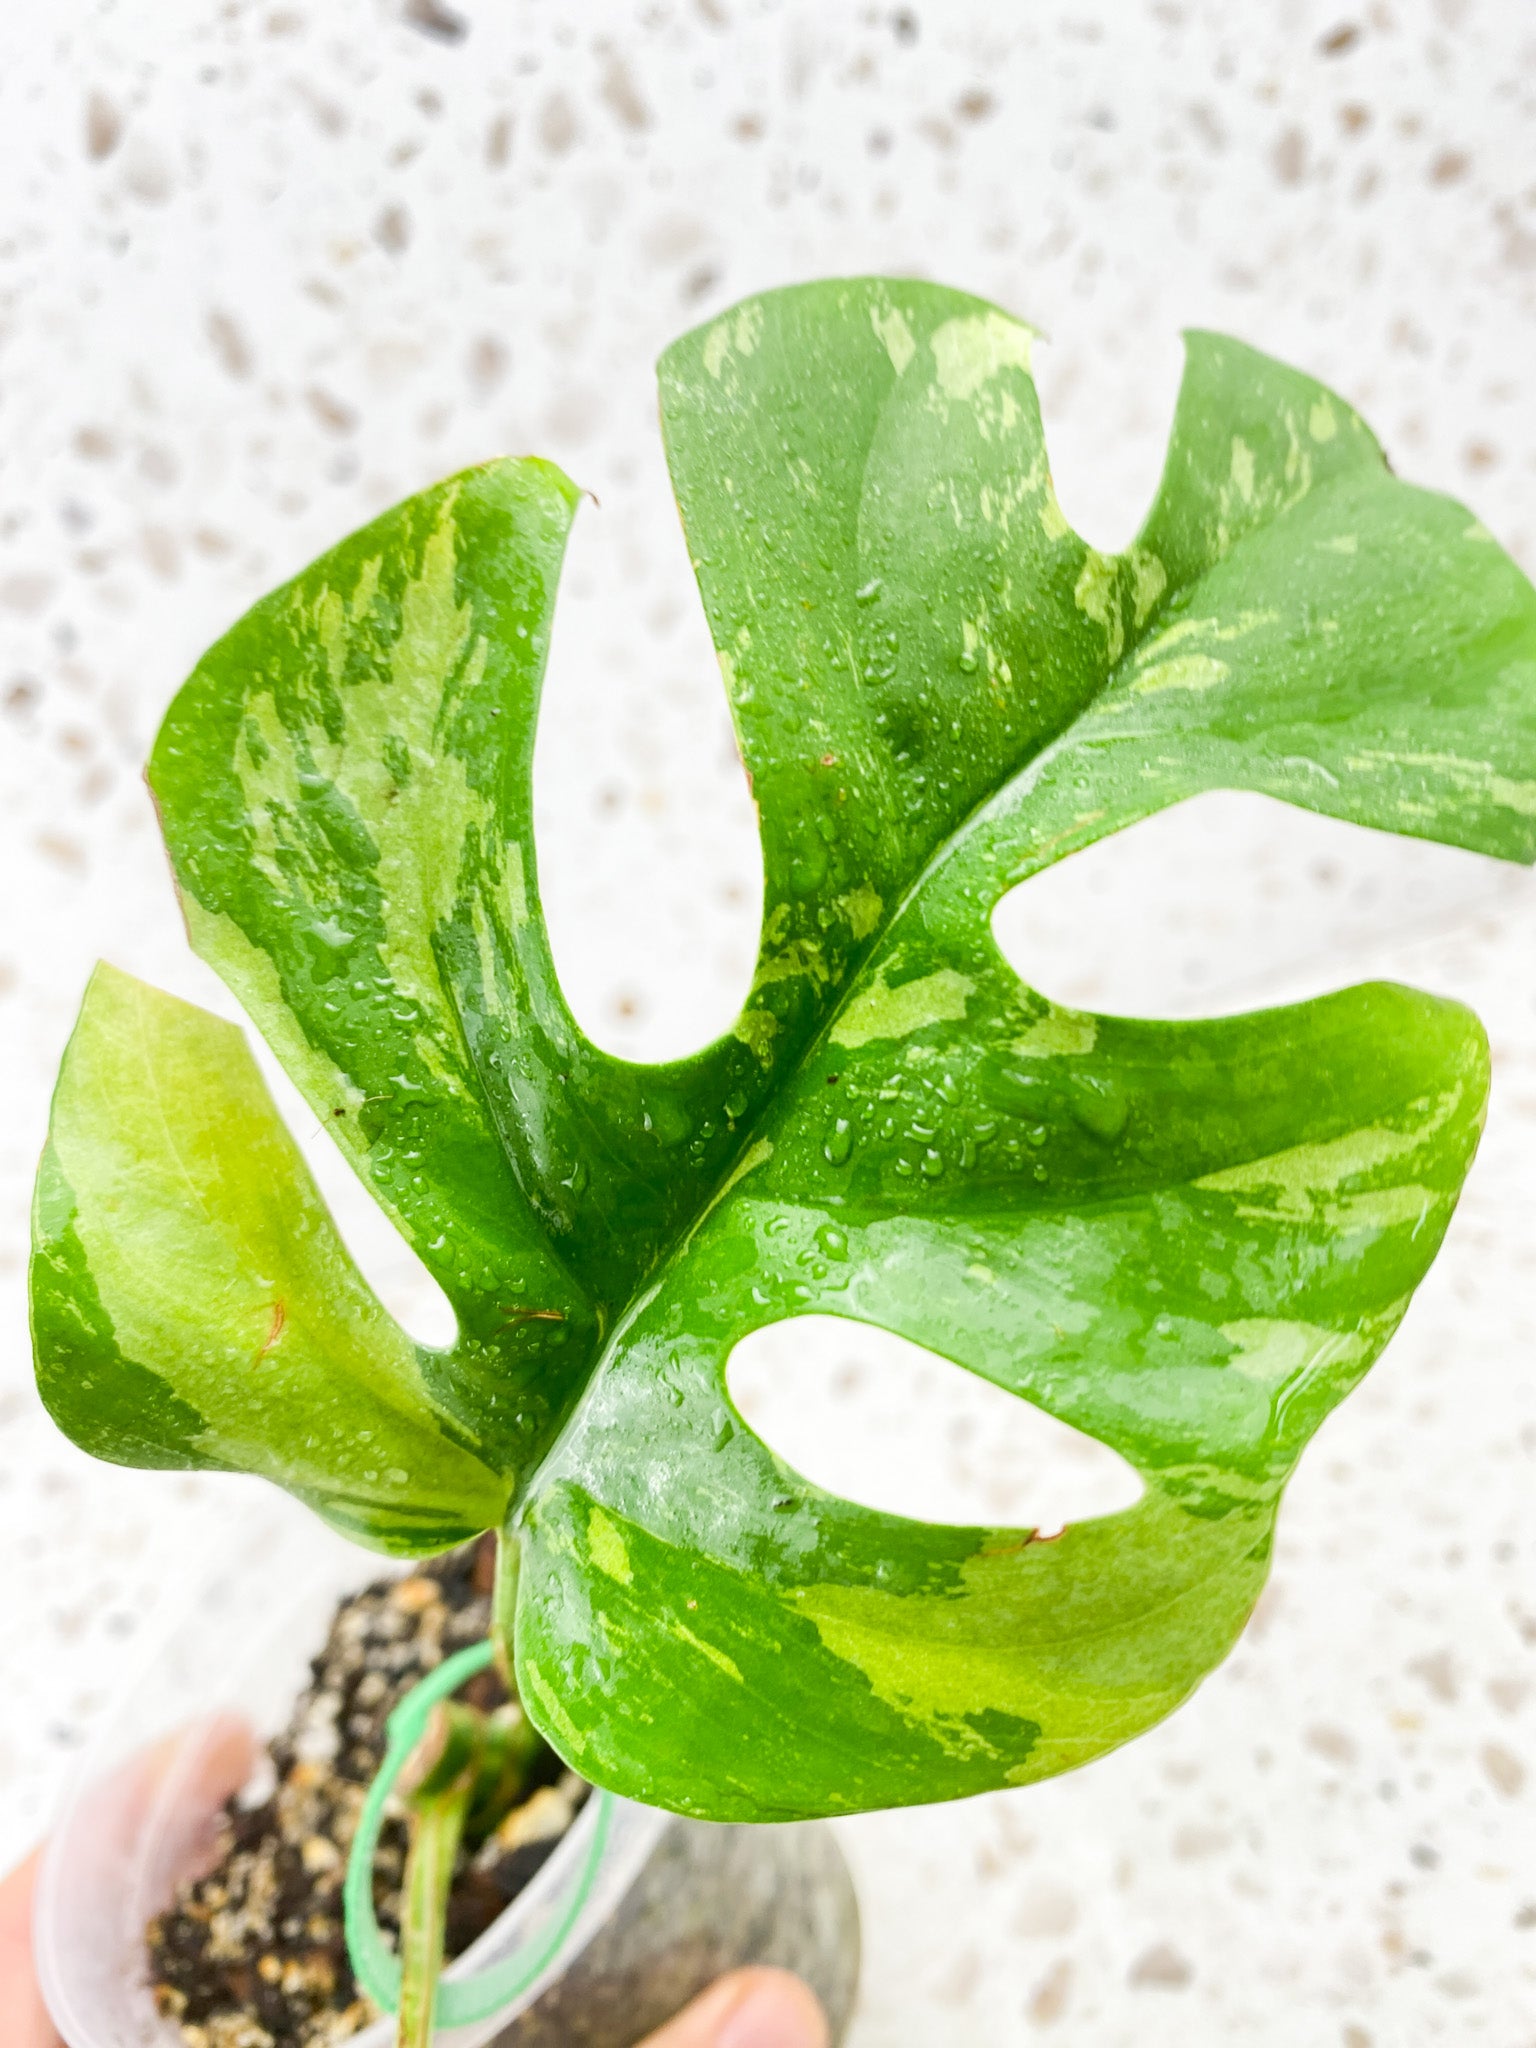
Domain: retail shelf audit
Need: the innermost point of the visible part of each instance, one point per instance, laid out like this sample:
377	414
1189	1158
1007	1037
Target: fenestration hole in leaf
1107	423
650	867
1233	901
883	1422
397	1276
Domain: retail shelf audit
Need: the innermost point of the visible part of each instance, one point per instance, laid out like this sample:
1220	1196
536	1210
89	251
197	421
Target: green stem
438	1823
504	1603
469	1768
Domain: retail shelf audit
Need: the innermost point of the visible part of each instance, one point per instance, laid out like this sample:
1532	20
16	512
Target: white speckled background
266	265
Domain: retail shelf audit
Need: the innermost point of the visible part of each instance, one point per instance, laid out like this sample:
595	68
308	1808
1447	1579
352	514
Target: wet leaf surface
1187	1240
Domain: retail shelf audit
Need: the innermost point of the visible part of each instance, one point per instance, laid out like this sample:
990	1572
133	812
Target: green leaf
191	1301
1188	1240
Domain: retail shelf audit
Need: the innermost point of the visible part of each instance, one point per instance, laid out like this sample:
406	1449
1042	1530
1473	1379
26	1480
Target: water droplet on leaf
1098	1104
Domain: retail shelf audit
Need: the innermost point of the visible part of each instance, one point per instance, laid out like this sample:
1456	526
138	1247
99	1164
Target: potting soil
253	1954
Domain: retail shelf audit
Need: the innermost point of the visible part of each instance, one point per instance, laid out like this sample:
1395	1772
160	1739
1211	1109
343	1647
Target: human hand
222	1762
24	2021
756	2008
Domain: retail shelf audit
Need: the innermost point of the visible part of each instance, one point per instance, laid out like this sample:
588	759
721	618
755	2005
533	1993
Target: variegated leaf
1187	1240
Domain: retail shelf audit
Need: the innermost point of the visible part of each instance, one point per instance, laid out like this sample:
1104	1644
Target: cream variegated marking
937	687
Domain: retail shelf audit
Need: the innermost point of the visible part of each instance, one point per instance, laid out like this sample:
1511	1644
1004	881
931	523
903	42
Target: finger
24	2021
755	2008
205	1762
201	1766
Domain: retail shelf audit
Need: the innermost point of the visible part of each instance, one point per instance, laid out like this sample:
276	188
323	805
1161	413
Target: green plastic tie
374	1963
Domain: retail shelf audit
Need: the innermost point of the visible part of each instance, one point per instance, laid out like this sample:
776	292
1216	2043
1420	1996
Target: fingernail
777	2011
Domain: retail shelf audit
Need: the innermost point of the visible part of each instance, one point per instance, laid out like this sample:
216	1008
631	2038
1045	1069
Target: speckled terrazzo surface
265	268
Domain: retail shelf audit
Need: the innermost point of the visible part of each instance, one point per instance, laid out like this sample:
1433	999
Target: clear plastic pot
129	1833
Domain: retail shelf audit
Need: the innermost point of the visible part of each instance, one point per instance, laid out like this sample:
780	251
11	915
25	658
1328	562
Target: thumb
754	2008
210	1760
24	2021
